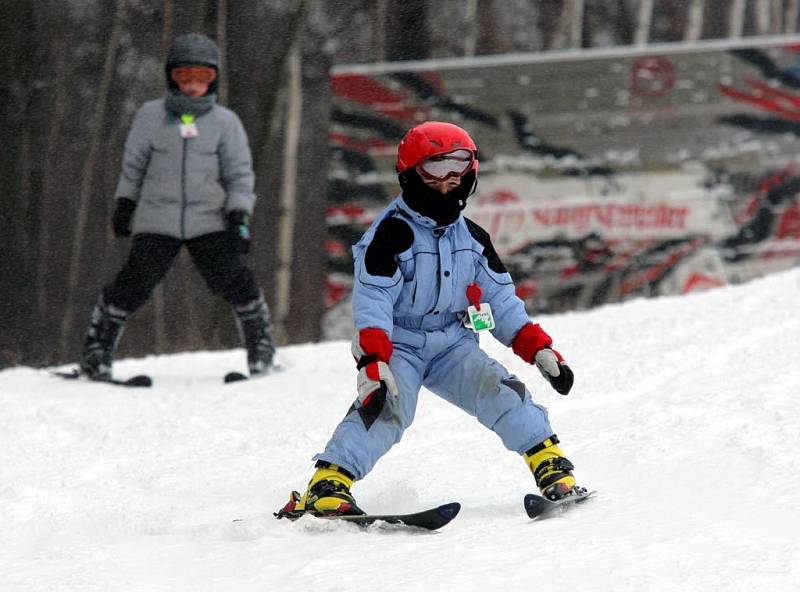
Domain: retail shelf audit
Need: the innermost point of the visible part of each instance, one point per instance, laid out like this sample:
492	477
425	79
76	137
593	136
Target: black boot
105	329
255	330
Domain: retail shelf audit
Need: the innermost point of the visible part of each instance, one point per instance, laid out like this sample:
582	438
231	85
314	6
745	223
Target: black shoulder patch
480	235
392	237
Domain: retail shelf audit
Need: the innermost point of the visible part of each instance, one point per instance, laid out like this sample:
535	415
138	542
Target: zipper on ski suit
184	199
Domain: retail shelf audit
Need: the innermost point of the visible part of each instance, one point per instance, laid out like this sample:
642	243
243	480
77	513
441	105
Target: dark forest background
74	73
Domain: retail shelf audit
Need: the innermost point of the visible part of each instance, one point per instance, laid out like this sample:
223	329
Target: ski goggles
189	74
443	166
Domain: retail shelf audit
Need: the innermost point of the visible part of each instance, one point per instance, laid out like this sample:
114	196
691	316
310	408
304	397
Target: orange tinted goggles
188	74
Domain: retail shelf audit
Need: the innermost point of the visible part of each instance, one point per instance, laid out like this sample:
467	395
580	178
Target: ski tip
534	504
449	511
235	377
70	375
141	380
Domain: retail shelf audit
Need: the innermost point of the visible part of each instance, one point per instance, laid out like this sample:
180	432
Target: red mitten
529	340
372	342
532	344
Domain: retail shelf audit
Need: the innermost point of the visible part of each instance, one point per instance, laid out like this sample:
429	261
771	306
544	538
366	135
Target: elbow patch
392	237
480	235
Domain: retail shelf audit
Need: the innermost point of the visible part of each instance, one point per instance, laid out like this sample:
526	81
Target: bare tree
763	20
87	176
490	39
644	17
306	306
694	20
736	18
407	31
790	16
288	201
549	21
379	22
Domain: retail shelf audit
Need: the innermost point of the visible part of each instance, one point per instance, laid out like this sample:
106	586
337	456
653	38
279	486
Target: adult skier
187	180
426	280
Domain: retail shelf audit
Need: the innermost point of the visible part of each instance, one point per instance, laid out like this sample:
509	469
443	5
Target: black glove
239	230
555	370
533	345
122	217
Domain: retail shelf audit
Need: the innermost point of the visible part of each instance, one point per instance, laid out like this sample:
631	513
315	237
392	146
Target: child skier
423	272
187	179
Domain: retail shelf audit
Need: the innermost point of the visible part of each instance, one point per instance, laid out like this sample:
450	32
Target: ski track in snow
684	417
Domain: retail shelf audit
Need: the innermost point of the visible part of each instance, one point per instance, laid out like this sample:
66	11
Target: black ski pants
151	256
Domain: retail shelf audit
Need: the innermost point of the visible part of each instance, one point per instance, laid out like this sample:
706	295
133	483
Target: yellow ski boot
328	493
551	469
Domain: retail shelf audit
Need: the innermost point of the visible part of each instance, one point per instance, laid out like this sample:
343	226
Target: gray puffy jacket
183	187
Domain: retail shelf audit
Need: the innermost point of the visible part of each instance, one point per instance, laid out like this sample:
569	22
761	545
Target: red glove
532	344
372	349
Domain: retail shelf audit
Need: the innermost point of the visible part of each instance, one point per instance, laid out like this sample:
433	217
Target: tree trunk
644	17
68	322
285	259
407	31
790	17
736	18
694	21
576	15
309	257
548	23
222	43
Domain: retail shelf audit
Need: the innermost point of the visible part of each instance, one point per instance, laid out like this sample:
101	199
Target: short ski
431	519
140	380
538	507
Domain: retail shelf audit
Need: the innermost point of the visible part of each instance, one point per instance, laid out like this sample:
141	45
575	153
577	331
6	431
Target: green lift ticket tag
480	320
188	127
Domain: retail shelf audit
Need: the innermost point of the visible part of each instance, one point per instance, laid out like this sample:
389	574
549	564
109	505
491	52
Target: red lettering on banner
583	217
514	221
542	217
682	214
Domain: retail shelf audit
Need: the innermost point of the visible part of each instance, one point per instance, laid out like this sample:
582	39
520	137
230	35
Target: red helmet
430	139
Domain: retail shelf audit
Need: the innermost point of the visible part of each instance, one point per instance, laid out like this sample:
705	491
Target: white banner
520	209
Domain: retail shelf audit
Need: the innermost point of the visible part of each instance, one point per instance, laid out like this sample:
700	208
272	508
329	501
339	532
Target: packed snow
685	417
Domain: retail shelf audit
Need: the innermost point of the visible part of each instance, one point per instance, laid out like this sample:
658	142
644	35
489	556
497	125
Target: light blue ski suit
422	308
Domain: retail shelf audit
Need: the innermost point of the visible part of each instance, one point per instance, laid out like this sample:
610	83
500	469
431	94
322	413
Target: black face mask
443	209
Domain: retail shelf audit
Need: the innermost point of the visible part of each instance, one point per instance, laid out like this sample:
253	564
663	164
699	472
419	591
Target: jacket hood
192	49
195	49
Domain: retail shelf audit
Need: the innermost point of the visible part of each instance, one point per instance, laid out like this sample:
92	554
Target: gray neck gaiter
180	104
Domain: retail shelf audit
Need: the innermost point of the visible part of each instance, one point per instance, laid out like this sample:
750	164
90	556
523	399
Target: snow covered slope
685	416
